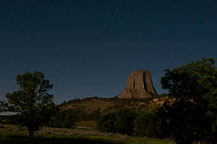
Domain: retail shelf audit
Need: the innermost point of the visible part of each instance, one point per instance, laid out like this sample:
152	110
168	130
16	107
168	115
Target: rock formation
139	85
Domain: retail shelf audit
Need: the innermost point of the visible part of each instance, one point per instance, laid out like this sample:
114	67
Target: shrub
147	124
63	119
121	121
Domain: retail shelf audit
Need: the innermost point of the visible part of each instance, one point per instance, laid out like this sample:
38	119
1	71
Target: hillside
105	105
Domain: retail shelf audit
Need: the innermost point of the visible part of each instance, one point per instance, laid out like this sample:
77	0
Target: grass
13	134
90	125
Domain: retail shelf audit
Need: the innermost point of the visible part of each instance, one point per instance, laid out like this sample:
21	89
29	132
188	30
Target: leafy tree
191	112
32	101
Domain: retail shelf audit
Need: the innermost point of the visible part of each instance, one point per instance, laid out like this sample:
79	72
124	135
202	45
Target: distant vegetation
187	114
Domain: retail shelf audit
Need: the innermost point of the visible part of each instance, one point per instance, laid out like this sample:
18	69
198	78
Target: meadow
11	134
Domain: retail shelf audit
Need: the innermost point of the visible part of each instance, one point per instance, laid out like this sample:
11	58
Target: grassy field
10	134
86	125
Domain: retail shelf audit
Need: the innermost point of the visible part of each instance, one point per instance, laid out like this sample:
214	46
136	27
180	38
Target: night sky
89	47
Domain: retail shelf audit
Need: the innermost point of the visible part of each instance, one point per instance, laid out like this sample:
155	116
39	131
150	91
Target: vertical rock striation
139	85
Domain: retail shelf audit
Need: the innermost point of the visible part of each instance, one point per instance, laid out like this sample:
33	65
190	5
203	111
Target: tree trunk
31	133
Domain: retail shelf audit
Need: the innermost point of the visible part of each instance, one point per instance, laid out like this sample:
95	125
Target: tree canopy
193	114
32	100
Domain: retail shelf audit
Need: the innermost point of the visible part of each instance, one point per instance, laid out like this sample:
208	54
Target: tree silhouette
192	116
31	101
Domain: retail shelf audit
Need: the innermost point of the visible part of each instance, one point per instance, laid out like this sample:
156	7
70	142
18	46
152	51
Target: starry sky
88	47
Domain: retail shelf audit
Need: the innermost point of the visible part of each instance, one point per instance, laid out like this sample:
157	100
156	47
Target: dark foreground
26	140
12	134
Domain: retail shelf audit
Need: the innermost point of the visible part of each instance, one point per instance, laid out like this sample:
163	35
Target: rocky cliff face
139	85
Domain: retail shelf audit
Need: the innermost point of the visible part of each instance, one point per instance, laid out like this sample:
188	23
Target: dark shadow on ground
26	140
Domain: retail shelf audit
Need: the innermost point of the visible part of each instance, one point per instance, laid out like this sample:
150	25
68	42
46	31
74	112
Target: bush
125	121
63	119
147	124
121	121
107	123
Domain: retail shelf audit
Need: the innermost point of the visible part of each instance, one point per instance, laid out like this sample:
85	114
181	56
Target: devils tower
139	85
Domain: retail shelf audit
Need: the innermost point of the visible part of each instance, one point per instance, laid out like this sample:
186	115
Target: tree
192	116
32	101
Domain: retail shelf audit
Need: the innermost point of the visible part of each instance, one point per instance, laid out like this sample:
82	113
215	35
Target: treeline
126	121
123	121
68	118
